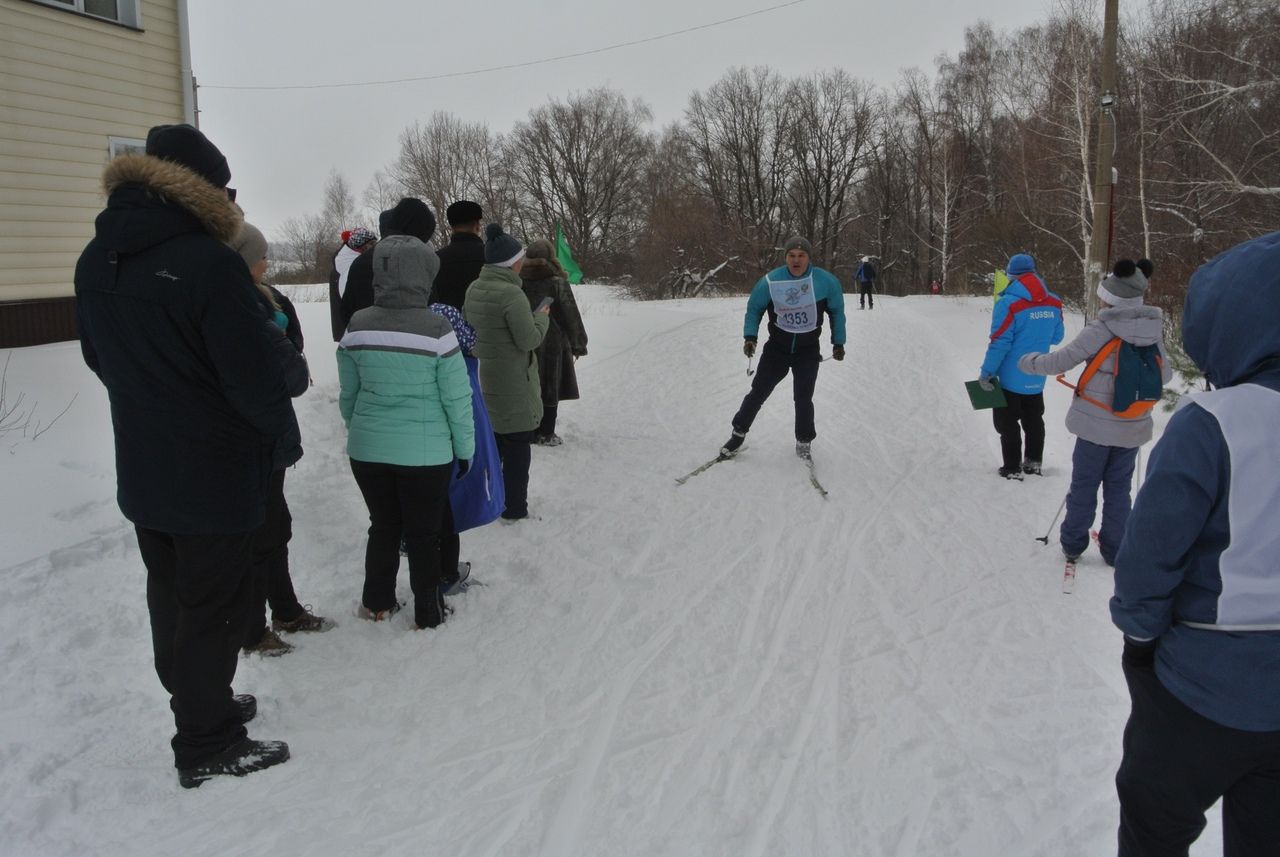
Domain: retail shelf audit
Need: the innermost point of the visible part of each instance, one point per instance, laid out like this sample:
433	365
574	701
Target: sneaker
243	757
803	450
548	439
1031	468
246	706
460	584
1014	473
270	646
307	622
378	615
733	444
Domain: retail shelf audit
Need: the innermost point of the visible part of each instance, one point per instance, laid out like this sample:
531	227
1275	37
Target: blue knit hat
1020	263
500	248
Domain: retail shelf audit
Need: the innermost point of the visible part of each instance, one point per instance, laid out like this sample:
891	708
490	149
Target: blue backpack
479	497
1139	382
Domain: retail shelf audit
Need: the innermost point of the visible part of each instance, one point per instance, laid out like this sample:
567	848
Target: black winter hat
187	146
409	216
463	211
500	248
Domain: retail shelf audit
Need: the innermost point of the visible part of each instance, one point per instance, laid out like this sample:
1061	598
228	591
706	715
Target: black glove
1138	654
749	347
837	352
464	465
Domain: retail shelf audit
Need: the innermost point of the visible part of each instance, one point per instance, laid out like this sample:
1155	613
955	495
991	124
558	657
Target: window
120	11
117	146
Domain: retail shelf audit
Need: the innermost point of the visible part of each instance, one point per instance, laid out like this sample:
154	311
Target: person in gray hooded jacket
1106	444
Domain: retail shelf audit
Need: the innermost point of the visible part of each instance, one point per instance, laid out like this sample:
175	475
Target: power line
543	61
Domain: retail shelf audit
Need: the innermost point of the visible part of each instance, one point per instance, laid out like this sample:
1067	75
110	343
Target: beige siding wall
67	83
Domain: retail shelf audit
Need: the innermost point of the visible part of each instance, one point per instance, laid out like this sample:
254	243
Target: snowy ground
730	667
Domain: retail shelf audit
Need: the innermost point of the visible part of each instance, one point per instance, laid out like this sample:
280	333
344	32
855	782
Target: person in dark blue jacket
1027	319
795	296
1197	582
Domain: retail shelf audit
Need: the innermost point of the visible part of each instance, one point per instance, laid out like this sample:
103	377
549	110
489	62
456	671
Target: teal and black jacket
830	299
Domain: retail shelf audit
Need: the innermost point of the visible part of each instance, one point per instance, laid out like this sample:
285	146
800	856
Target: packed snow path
734	666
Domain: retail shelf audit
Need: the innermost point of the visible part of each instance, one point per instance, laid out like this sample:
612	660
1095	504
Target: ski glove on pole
749	347
837	352
984	381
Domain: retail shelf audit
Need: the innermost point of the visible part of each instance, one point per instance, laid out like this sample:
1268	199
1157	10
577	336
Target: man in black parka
409	216
171	323
462	259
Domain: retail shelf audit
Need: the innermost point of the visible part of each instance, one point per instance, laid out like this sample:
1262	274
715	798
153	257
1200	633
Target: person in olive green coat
406	400
507	335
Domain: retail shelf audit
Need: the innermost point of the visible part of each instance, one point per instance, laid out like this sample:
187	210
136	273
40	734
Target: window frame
129	12
117	146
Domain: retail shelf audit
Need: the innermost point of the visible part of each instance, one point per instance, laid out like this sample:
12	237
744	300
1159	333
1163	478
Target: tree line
940	176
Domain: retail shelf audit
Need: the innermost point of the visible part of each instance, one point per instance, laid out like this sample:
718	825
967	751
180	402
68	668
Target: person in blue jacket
795	296
1197	582
1027	319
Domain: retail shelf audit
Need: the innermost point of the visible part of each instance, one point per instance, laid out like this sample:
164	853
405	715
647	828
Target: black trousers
774	365
516	454
198	594
1024	414
1177	764
548	425
866	295
271	581
450	546
408	502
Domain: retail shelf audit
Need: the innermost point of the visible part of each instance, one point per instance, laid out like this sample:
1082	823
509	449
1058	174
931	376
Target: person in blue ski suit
1197	582
1027	319
795	296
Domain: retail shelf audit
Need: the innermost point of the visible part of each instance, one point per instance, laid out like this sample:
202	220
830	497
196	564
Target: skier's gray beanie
1126	285
797	243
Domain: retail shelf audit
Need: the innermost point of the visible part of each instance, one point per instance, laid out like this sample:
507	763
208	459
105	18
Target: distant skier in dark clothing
409	216
795	296
866	277
171	323
463	257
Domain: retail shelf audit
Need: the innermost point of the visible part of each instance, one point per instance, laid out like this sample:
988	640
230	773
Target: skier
1026	318
796	296
866	277
1106	442
1197	587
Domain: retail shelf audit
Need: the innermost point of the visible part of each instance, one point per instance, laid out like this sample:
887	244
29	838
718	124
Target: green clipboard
981	399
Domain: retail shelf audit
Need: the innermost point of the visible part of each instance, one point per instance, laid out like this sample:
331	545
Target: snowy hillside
734	667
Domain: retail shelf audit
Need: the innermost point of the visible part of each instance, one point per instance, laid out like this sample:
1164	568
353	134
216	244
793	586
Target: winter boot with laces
243	757
306	622
733	444
269	646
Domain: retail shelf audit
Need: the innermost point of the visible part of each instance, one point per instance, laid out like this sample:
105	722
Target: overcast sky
282	144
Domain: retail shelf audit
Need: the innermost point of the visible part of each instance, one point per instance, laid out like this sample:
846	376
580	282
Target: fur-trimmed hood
142	193
540	269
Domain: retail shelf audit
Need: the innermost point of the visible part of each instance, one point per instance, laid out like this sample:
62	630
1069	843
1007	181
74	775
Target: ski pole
750	371
1045	538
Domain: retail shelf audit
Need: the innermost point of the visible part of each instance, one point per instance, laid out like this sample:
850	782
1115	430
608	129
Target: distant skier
1027	318
866	277
1197	585
1106	442
795	296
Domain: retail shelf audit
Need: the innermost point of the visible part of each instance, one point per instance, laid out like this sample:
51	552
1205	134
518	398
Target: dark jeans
1025	411
271	581
1177	764
198	593
408	501
1112	468
548	425
774	365
450	547
516	455
866	295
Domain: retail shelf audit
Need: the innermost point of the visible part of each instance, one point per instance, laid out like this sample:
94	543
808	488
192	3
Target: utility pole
1103	179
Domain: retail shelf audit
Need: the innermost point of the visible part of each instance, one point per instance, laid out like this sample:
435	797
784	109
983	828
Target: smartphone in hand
545	306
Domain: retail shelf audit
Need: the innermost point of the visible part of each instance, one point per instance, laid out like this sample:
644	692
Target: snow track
730	667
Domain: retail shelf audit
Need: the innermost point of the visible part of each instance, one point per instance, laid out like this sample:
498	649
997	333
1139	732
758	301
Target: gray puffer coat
1142	325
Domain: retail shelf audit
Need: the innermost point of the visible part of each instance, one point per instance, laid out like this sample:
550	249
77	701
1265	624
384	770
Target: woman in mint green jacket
406	400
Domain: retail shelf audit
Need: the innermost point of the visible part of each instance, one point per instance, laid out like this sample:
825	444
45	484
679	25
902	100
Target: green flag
565	257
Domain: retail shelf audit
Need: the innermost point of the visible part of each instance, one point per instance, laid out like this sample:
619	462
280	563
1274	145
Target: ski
703	468
813	476
1069	577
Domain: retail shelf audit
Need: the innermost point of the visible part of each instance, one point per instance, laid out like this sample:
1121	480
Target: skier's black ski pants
1177	764
775	363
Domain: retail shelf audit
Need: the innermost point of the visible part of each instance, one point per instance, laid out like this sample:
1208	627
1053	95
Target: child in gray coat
1106	444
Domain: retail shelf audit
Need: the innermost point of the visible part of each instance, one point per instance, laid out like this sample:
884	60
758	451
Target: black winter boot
239	759
733	444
